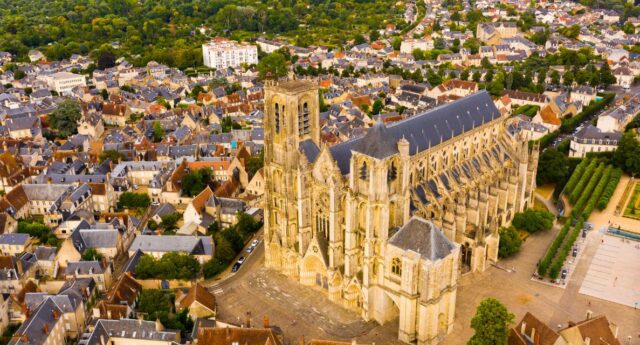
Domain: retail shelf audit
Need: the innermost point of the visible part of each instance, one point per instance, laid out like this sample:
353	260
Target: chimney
55	314
247	320
523	327
49	180
587	341
353	341
589	315
265	322
45	328
108	314
302	340
536	341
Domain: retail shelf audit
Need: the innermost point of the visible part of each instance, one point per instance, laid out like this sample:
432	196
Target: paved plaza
614	273
303	311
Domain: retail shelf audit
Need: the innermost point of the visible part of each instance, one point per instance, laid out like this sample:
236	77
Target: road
253	261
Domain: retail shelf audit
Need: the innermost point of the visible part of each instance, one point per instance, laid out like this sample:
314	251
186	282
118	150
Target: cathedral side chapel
386	222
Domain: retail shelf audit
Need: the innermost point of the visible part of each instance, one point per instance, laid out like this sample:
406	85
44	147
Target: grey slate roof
430	128
34	326
377	143
128	329
424	238
309	149
166	244
14	238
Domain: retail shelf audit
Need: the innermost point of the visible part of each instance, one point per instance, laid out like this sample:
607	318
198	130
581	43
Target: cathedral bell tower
291	110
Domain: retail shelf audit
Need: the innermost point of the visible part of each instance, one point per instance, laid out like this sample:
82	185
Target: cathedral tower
292	117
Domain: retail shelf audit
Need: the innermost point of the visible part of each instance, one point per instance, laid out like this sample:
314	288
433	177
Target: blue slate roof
429	128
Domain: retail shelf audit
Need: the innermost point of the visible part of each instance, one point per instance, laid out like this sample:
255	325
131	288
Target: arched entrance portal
465	257
314	272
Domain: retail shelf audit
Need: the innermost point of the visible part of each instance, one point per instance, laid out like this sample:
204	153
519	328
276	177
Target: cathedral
385	223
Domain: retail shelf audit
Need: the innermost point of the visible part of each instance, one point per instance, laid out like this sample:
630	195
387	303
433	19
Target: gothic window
277	118
303	119
392	173
396	266
364	172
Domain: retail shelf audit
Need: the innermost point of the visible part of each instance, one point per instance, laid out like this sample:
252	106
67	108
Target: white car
254	243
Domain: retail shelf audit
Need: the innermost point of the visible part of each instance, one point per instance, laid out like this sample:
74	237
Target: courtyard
303	311
613	273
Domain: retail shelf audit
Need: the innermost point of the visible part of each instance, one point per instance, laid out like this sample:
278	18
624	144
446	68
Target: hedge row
609	189
575	177
559	261
553	249
584	180
585	196
597	192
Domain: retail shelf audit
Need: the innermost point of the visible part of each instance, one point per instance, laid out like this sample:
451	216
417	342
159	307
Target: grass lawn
632	209
546	191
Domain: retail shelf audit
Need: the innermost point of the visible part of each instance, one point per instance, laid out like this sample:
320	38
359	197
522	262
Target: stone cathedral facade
386	222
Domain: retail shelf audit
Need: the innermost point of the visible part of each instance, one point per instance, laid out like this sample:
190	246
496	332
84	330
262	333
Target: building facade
221	53
337	217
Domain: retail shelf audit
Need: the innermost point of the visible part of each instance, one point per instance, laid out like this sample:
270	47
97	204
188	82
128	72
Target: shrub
533	220
510	242
568	245
609	189
575	177
170	266
588	189
134	200
553	249
584	180
595	196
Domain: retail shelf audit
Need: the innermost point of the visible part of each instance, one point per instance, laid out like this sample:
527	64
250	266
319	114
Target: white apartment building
222	53
64	82
408	46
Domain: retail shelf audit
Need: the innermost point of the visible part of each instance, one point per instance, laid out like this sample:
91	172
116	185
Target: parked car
235	267
155	204
254	243
564	273
250	249
575	252
241	260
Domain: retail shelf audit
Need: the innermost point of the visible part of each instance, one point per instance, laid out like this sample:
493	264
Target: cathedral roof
309	149
424	238
429	128
377	143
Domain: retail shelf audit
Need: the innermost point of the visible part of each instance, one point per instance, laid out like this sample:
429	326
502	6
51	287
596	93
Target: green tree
627	155
91	254
64	120
158	132
377	107
170	220
272	66
106	59
533	220
606	76
510	242
113	155
255	163
195	182
198	89
491	323
139	201
553	167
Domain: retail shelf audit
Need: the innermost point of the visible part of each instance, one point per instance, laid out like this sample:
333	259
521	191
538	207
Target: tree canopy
533	220
491	323
553	167
64	120
272	66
